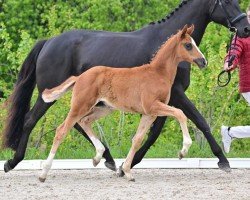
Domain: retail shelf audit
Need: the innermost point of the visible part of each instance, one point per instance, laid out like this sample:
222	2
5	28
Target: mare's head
187	49
228	13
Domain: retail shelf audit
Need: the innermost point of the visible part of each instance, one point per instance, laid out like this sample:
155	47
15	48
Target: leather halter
230	22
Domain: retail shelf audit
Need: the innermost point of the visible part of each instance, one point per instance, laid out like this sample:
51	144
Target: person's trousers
241	131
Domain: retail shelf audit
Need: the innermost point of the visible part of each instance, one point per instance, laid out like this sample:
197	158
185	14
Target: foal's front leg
180	100
161	109
144	125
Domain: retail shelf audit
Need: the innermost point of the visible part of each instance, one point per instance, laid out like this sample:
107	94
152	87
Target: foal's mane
164	44
171	13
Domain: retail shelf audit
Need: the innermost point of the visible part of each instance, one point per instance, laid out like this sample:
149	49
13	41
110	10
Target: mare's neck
193	12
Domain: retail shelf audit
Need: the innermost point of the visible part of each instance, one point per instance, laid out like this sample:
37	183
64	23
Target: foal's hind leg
61	132
144	125
80	107
161	109
86	122
109	161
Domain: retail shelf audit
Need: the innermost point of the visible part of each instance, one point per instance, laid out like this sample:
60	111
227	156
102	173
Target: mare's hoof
225	167
110	165
181	155
120	172
7	167
42	179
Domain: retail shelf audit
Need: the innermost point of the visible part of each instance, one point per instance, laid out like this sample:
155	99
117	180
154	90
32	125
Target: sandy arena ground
150	184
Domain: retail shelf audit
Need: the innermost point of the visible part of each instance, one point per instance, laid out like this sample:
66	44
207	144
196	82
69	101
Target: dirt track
150	184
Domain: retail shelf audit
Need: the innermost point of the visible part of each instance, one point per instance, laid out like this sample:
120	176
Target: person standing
240	51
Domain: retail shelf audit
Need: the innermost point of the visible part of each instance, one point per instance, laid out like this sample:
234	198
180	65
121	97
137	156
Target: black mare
52	61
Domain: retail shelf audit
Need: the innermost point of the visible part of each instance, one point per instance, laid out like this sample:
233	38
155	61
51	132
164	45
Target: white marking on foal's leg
86	122
99	150
46	167
187	141
143	127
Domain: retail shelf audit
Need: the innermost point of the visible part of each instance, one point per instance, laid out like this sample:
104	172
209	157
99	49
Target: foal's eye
227	1
188	46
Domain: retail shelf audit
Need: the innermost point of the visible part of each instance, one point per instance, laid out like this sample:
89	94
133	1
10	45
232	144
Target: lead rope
220	81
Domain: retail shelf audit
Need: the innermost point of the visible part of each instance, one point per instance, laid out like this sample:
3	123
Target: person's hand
226	67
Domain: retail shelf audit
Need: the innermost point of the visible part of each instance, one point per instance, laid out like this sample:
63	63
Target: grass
118	130
159	150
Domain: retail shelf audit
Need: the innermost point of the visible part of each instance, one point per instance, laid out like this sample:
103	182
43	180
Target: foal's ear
183	31
190	30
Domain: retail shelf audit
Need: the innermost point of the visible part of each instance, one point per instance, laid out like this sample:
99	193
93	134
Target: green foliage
22	23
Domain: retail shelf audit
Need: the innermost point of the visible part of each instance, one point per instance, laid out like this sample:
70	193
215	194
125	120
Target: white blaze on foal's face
195	46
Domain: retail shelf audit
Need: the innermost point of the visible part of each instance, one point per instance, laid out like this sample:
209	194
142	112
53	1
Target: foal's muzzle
201	62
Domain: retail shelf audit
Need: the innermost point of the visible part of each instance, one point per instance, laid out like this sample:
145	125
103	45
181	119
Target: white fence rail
146	163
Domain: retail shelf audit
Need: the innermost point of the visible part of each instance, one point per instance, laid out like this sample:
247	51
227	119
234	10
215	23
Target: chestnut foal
145	90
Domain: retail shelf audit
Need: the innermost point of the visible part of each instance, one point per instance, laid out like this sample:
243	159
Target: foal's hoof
181	155
7	167
225	167
120	172
42	179
95	162
132	179
110	165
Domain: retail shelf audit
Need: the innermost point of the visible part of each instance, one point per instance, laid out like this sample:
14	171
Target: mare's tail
20	99
50	95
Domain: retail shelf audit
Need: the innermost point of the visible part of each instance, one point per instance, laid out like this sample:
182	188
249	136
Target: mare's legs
144	125
86	123
31	118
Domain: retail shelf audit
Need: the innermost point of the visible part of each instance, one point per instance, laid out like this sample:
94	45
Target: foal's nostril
204	62
201	62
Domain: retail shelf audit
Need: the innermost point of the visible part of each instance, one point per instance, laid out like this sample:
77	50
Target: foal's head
187	49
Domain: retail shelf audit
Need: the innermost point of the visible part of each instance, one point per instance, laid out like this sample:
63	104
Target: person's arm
235	54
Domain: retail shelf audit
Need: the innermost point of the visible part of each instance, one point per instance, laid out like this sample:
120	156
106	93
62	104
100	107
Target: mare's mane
171	13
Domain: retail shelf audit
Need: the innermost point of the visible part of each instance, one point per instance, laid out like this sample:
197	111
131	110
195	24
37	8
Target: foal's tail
50	95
